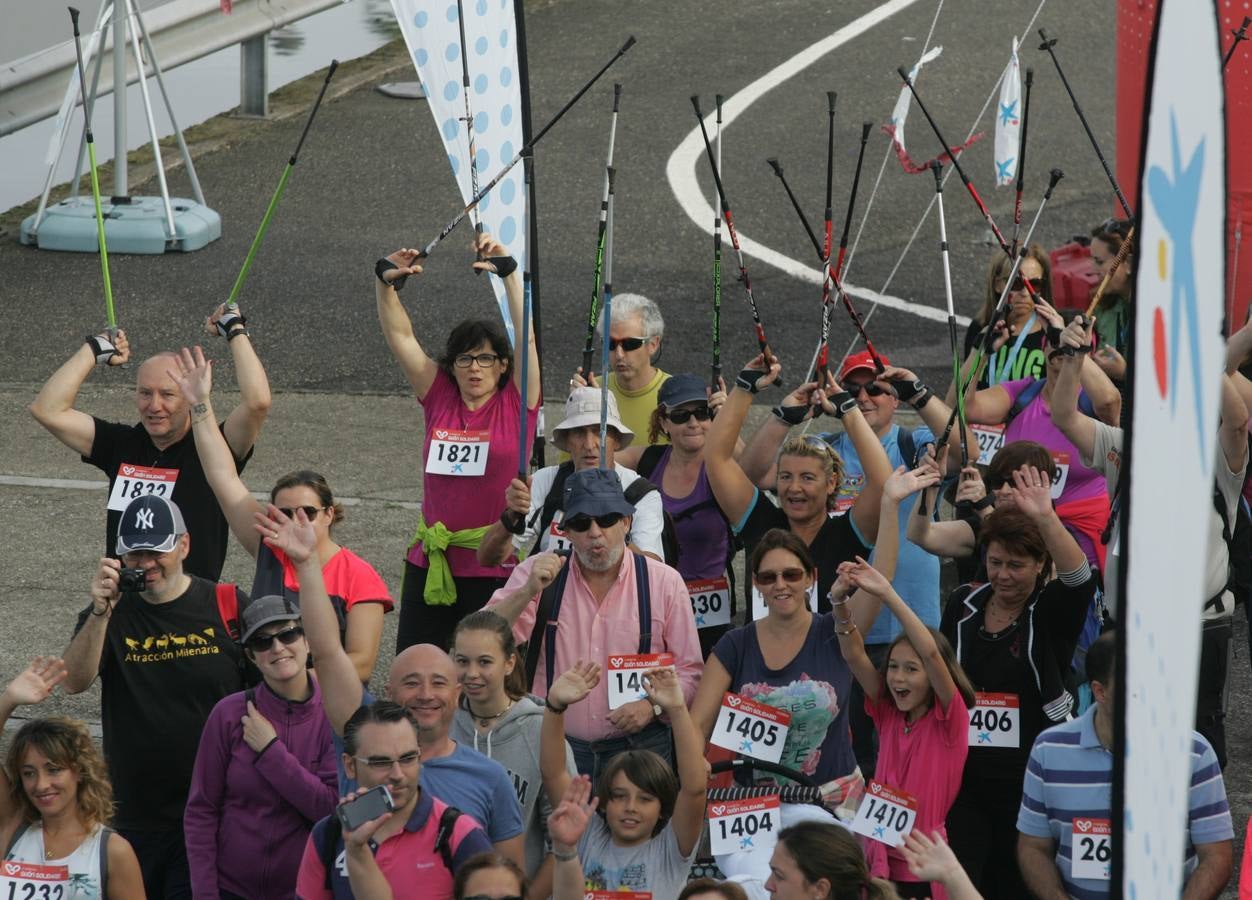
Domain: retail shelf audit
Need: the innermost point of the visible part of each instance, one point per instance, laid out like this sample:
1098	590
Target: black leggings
982	831
424	624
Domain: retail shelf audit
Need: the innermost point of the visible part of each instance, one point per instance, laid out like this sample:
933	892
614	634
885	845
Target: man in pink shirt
590	606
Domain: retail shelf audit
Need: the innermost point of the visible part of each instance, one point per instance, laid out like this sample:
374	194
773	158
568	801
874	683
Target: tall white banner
431	31
1177	360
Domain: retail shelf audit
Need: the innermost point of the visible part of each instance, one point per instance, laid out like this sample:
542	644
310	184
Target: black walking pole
1240	35
716	378
1021	159
593	311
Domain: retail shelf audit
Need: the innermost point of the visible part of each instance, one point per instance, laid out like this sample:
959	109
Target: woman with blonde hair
56	802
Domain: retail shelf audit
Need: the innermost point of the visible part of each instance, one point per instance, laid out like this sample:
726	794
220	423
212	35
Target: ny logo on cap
143	519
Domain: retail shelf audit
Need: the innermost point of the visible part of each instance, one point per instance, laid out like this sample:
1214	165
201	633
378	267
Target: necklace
483	720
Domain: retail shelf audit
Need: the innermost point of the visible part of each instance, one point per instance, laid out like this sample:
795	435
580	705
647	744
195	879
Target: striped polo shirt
1070	776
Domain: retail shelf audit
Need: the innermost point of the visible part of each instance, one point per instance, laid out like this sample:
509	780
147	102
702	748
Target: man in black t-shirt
158	455
165	656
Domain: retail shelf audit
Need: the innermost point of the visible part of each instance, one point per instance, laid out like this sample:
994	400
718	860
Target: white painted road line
680	170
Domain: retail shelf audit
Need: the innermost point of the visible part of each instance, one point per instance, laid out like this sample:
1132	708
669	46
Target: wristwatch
656	710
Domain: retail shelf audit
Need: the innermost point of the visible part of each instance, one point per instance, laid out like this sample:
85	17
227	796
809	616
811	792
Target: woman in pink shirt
920	704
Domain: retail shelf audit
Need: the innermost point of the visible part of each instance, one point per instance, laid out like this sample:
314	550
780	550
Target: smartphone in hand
365	808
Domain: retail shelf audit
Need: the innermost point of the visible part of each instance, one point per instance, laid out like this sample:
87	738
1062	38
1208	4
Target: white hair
627	305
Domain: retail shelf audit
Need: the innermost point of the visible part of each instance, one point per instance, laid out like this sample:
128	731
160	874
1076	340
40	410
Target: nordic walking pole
1049	44
822	363
1240	35
608	322
937	168
278	191
523	342
594	312
1021	159
527	148
734	235
715	379
1122	252
969	185
95	180
468	119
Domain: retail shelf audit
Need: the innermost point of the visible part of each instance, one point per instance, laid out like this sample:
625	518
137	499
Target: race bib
990	440
995	721
557	542
27	881
1062	465
750	728
625	677
611	895
133	482
1091	849
760	610
455	452
886	814
710	602
751	823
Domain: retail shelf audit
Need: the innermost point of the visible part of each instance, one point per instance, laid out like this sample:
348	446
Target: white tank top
83	866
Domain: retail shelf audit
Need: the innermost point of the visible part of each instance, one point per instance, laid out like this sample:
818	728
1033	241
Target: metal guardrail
31	88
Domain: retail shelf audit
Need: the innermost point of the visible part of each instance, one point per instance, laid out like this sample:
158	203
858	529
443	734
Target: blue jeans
591	757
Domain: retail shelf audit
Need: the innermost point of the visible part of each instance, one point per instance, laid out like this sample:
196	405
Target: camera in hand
132	580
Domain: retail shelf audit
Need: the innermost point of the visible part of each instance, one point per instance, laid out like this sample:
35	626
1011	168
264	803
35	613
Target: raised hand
897	373
929	858
193	374
1049	315
544	571
574	684
663	688
1112	362
488	247
517	496
903	483
105	586
1077	334
970	488
358	839
717	398
568	821
121	347
294	536
758	373
1032	490
406	264
867	578
35	684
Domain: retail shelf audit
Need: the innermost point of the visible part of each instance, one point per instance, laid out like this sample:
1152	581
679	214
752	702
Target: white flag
901	110
1009	121
431	32
1177	359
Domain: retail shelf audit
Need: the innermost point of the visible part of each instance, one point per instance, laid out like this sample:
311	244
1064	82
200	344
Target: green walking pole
95	180
278	191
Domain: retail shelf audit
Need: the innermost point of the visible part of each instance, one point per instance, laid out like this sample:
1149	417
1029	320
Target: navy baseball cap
595	492
679	389
151	523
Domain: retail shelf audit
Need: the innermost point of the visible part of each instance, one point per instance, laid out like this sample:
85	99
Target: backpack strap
649	459
544	630
1024	399
105	831
17	836
555	500
443	837
907	446
331	836
228	608
639	488
643	592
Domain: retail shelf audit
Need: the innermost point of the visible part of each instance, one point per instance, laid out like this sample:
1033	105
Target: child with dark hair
648	830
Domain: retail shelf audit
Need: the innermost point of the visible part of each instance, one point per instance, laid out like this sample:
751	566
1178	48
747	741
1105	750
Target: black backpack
639	488
647	464
1238	539
333	835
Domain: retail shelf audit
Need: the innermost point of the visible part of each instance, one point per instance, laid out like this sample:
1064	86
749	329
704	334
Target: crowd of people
577	666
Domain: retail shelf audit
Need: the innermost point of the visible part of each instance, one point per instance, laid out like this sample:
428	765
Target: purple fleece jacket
249	815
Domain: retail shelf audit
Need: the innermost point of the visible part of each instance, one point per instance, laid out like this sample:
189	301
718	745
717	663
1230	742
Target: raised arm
1080	429
1232	433
732	489
665	690
194	376
954	539
244	422
708	700
761	452
418	368
515	292
336	674
869	449
82	656
851	641
572	686
53	407
566	826
1104	396
34	685
932	410
1033	492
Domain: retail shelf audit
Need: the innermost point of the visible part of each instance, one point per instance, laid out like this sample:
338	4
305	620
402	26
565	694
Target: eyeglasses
582	523
259	643
484	360
766	577
871	388
385	763
682	416
310	511
1036	284
627	344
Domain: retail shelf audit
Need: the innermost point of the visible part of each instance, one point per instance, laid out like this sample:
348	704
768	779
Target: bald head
423	680
162	408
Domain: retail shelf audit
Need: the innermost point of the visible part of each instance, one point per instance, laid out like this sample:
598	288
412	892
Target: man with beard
590	606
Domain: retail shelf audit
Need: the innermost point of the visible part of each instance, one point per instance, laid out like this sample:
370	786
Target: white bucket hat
582	409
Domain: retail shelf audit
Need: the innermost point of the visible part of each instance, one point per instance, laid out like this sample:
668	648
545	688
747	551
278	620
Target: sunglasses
259	643
384	763
310	511
583	523
627	344
871	388
1020	283
683	416
484	360
766	577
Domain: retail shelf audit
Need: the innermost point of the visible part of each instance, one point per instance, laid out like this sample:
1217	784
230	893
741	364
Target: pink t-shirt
1034	423
927	762
469	501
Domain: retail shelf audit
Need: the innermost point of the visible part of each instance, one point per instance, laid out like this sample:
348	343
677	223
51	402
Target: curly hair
66	743
813	447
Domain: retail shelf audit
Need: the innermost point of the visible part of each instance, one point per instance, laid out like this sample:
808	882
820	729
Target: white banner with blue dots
430	29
